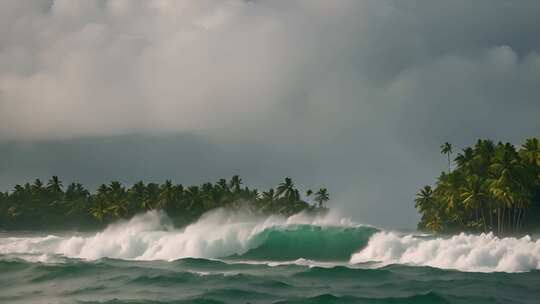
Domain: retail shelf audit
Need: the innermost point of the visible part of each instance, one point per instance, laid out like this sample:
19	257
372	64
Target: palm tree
54	186
505	170
465	159
37	186
136	197
426	202
435	223
222	184
321	197
38	196
99	210
286	189
151	196
474	194
76	197
117	199
194	198
235	183
166	195
27	203
531	151
446	149
269	195
424	199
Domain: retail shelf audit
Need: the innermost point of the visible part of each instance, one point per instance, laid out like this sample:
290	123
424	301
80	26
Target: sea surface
236	258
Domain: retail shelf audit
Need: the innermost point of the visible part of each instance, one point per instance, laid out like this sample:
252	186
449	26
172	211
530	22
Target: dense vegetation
494	187
37	205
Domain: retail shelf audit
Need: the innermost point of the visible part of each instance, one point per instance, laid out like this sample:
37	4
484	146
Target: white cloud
357	90
76	68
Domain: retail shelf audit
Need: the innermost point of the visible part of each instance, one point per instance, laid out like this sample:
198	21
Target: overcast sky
354	95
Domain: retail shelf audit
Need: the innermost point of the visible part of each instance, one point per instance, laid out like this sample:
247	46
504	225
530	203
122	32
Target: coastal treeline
52	205
492	188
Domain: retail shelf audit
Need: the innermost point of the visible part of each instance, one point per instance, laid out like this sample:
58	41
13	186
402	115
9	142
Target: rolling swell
122	282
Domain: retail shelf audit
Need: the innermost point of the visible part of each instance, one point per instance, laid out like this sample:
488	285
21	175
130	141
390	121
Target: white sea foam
149	237
300	262
479	253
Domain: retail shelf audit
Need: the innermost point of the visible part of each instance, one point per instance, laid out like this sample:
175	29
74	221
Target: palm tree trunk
499	221
490	208
483	218
516	216
522	217
502	221
519	210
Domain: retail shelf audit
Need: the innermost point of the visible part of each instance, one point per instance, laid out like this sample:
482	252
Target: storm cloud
356	95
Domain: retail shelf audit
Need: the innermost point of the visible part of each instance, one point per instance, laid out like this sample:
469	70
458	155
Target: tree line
50	205
493	188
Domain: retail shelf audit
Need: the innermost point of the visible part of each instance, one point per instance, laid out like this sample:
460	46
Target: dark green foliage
49	206
495	187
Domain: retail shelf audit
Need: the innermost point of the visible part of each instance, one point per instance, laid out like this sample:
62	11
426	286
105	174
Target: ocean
227	257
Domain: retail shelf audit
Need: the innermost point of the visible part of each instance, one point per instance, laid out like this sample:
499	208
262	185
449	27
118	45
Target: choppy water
230	258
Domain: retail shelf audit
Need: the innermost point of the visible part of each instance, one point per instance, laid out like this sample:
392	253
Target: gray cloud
354	94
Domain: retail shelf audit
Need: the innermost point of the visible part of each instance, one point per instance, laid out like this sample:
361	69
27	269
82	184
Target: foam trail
478	253
149	237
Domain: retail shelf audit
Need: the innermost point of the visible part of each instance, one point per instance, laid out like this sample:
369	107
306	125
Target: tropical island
492	188
49	206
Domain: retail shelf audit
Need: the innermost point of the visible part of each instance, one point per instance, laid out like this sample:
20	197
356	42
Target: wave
304	240
308	242
464	252
218	234
193	280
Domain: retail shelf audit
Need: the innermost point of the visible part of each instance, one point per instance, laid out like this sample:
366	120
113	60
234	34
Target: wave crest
216	235
478	253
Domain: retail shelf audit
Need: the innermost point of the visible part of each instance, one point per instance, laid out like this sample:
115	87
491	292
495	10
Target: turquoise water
262	262
206	281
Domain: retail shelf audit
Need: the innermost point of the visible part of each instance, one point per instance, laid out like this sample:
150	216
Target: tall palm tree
321	197
474	194
286	189
505	170
446	149
54	186
39	197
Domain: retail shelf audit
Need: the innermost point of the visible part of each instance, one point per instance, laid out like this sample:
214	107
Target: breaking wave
464	252
218	234
314	240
